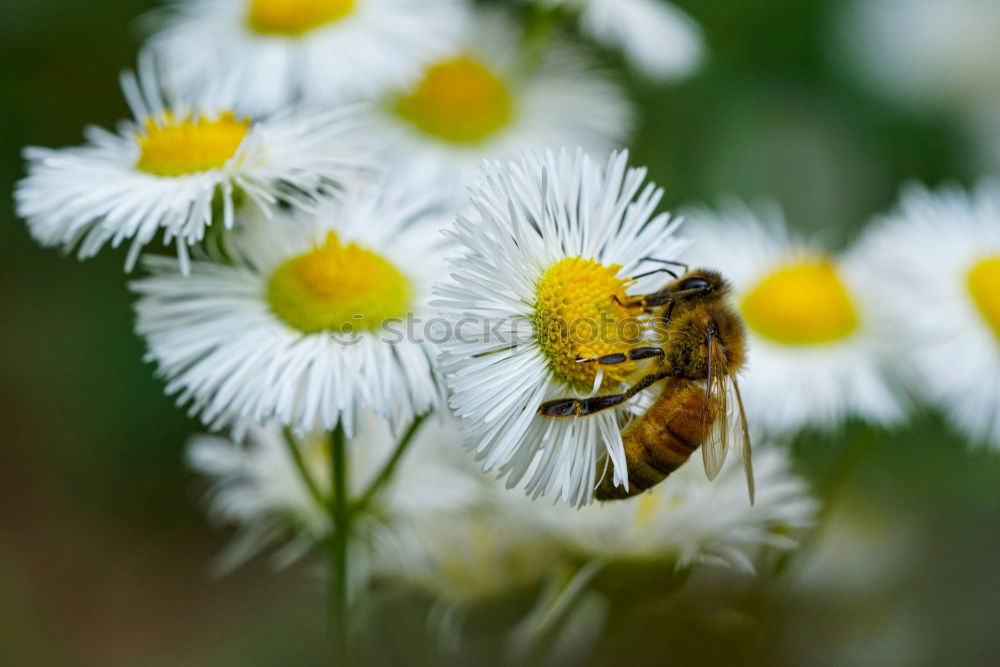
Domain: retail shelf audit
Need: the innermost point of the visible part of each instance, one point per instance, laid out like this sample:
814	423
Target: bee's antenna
671	262
649	273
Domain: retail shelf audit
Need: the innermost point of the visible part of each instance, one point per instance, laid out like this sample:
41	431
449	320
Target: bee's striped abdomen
662	440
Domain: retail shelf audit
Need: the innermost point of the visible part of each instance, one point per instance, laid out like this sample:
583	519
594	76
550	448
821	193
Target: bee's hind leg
581	407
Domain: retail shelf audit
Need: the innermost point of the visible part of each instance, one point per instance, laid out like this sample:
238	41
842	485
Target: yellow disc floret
646	509
579	314
458	100
292	18
805	303
180	146
984	285
339	288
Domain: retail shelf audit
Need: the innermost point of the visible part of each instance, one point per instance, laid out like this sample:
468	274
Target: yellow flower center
293	18
984	285
336	287
458	100
179	146
801	304
645	509
577	317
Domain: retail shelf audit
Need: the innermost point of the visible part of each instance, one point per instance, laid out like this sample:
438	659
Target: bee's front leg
635	354
647	303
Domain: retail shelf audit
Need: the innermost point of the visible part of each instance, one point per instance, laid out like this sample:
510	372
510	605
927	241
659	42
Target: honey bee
703	348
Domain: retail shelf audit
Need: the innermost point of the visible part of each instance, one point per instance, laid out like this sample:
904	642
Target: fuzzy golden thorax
700	314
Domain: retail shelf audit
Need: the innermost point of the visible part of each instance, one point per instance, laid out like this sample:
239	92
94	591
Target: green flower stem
342	510
390	467
340	515
293	449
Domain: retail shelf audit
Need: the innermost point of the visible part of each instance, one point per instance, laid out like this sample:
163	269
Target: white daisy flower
550	240
860	557
860	549
687	519
932	55
179	168
815	343
508	544
318	51
463	558
483	100
258	487
935	271
657	38
311	323
927	52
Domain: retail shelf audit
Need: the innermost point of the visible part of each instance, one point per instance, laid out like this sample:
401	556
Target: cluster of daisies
300	160
910	315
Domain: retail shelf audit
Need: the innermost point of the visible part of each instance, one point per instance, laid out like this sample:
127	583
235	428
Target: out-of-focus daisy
861	551
178	169
483	100
939	56
508	545
860	559
549	248
927	52
657	38
309	323
258	487
284	51
482	553
687	519
814	342
462	559
935	271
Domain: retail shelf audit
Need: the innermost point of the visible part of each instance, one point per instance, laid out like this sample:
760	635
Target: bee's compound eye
695	284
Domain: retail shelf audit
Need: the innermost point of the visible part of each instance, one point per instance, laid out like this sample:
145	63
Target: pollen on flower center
172	146
984	285
801	304
579	315
337	287
458	100
293	18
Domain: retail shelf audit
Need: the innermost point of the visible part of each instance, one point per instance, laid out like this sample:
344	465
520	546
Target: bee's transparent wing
745	448
713	452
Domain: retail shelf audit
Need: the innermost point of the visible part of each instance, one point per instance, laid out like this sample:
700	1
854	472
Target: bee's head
700	283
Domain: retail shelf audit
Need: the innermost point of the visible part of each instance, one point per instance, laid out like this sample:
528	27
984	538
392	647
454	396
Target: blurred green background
103	548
